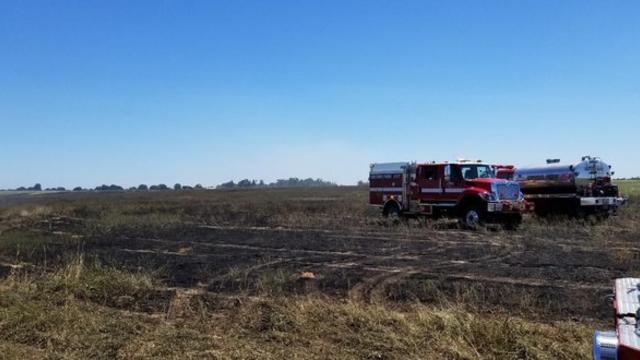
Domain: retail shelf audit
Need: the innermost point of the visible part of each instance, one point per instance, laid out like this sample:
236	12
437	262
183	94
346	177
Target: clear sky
131	92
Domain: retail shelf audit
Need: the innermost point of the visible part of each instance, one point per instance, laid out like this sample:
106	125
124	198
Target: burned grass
297	273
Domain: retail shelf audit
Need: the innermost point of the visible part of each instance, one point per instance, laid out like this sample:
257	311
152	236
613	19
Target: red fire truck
624	342
465	189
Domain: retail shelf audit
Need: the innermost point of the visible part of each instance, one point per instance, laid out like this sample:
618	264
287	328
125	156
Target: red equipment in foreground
465	189
624	343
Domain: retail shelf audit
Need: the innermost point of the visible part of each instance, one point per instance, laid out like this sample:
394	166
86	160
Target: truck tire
541	208
391	211
472	217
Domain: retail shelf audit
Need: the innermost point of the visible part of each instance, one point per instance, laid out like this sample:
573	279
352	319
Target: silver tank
556	178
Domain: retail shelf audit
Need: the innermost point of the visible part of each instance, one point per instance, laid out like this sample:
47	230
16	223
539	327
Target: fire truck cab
504	171
465	189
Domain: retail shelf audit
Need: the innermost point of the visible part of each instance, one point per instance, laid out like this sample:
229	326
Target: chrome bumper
505	206
602	201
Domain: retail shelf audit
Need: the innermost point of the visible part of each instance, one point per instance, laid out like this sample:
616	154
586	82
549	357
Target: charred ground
208	257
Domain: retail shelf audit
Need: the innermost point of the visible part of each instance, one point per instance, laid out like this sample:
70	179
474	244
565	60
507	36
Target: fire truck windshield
470	172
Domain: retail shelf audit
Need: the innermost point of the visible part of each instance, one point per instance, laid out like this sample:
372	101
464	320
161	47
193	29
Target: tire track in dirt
403	256
369	290
499	251
263	249
428	256
436	254
373	289
443	236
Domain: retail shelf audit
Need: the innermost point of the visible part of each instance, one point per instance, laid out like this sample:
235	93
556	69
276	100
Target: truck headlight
605	345
489	196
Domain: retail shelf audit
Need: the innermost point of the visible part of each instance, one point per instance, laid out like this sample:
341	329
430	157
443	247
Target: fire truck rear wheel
472	217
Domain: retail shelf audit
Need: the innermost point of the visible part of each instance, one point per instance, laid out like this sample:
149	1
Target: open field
629	187
297	273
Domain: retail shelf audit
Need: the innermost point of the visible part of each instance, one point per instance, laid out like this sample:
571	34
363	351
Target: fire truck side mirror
447	173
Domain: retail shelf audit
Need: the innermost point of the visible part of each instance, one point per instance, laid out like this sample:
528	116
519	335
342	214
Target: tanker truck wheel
472	217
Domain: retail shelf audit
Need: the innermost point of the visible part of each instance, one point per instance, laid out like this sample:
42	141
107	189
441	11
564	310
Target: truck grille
508	191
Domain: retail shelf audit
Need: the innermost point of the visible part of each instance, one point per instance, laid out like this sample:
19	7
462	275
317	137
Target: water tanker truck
577	189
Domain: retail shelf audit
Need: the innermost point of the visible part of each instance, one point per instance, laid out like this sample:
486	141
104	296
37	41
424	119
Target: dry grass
629	187
66	314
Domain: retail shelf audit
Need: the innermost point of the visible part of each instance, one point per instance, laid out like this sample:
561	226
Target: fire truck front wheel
472	217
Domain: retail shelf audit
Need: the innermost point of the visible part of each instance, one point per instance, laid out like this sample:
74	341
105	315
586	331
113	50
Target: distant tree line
631	178
291	182
145	187
59	188
36	187
113	187
245	183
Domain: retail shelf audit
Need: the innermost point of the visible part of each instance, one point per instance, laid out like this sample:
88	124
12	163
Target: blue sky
126	92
